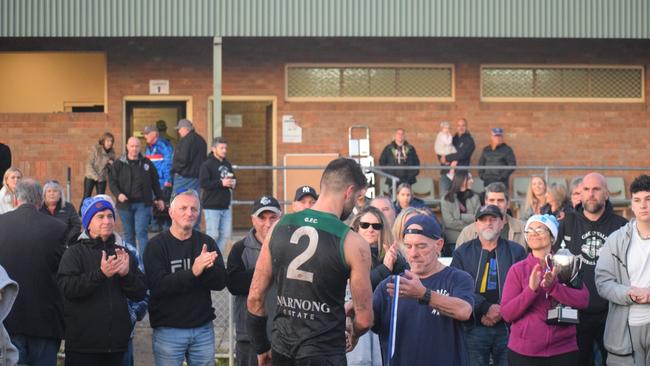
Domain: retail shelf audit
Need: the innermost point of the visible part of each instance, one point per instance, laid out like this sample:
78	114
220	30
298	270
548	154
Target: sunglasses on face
365	225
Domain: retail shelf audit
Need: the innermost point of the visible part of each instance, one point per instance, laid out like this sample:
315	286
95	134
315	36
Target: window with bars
369	83
611	84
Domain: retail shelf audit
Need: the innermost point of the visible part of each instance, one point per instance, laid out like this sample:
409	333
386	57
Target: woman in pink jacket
528	293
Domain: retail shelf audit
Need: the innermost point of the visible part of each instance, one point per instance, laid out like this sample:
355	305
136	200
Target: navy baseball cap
491	210
497	131
430	227
305	191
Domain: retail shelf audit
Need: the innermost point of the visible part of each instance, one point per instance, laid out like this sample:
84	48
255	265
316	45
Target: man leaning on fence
241	266
182	267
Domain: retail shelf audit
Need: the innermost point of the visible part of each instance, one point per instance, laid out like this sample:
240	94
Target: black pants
94	359
590	329
89	184
565	359
278	359
245	353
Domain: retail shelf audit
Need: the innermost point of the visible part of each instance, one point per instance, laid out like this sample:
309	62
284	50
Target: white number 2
292	271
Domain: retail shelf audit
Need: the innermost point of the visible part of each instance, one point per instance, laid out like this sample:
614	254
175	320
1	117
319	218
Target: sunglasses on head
365	225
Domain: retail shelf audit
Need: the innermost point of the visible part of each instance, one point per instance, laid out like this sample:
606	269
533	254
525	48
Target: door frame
274	127
153	98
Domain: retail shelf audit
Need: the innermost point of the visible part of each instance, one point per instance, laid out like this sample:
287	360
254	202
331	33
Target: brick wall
540	133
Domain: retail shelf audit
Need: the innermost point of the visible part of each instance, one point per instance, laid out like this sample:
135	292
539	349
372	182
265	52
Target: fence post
69	186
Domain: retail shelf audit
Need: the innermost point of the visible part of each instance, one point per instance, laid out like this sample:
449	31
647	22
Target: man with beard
487	259
584	232
309	257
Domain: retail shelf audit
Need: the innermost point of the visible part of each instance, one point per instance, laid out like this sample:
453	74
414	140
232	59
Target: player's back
310	273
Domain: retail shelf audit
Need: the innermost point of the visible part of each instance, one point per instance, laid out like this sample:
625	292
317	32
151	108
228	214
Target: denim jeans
135	221
36	351
182	183
218	225
483	342
171	345
127	359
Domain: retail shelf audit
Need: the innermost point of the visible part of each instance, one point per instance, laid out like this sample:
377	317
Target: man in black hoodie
584	232
464	144
190	153
217	181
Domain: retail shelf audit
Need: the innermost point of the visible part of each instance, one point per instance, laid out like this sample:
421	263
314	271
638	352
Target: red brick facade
540	133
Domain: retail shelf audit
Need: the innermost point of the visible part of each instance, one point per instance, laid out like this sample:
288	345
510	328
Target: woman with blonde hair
535	198
55	205
557	201
8	191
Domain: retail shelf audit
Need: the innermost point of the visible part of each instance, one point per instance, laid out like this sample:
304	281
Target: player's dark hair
341	173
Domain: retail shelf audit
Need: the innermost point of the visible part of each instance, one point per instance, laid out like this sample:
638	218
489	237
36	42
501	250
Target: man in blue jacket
161	152
487	259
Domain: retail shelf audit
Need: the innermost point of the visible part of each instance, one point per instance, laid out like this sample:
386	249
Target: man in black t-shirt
309	256
182	267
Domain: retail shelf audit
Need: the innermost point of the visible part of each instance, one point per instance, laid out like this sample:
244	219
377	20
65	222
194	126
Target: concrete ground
142	350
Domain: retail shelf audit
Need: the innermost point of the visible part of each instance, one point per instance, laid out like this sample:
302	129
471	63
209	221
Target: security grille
581	84
313	83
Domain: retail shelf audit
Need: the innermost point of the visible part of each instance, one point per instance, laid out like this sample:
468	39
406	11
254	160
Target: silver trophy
567	269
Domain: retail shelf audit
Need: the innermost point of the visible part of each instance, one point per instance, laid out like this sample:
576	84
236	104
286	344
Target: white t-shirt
638	264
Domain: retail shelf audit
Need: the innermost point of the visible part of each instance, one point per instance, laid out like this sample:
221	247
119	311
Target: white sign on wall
233	120
158	87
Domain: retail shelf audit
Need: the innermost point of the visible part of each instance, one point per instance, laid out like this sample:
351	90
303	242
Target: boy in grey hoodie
8	293
623	278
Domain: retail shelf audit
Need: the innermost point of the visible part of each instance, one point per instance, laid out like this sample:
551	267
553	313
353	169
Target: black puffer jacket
501	156
95	308
69	216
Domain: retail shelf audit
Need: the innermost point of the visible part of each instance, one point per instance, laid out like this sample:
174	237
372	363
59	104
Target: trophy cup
567	269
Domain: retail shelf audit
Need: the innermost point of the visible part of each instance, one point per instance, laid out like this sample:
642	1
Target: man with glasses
584	232
433	302
487	259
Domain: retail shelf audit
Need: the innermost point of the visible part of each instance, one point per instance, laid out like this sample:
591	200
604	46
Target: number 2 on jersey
292	271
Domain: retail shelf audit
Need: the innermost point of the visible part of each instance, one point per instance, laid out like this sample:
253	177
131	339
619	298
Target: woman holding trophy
540	298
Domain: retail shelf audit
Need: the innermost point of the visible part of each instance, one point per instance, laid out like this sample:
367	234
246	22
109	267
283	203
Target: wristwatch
426	298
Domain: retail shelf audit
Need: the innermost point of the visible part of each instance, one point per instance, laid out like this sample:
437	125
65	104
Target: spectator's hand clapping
204	260
108	265
535	277
390	256
549	278
123	262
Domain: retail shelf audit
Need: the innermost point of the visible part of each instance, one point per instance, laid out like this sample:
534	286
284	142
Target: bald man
134	182
584	232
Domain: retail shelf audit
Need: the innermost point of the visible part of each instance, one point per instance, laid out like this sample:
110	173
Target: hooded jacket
470	258
96	313
585	238
125	176
9	291
214	196
241	266
613	283
389	158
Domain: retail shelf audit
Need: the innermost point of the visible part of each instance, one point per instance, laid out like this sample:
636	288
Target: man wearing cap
513	229
305	197
190	153
217	181
434	300
182	267
487	259
134	182
31	245
96	277
241	266
497	153
160	151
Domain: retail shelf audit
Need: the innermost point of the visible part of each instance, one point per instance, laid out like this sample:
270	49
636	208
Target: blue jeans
218	225
127	360
483	342
171	345
182	183
36	351
135	220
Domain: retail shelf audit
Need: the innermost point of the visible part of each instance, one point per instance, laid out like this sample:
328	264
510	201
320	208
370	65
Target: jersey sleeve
463	287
